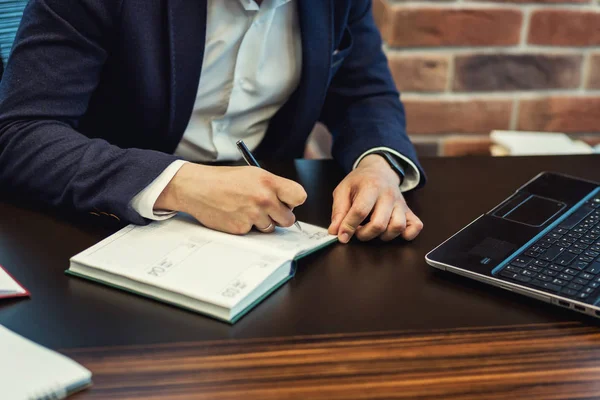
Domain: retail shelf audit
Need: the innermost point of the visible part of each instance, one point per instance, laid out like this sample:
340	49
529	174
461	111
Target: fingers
264	224
414	226
397	222
289	192
341	206
360	209
280	213
380	219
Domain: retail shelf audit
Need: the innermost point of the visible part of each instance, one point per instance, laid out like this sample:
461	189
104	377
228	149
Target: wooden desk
365	320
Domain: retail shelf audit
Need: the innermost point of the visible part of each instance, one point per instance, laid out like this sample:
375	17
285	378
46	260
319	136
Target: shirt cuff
143	202
412	175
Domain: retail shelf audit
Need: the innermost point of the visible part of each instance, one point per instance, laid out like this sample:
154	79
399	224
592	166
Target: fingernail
344	238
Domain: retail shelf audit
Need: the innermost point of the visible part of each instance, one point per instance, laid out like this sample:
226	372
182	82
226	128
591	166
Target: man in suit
103	101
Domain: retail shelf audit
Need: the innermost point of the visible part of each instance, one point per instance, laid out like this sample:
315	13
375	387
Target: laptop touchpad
533	210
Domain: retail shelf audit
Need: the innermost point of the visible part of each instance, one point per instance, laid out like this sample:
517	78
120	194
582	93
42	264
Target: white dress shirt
252	64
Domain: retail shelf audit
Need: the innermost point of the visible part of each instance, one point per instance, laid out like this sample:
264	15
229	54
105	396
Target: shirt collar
251	5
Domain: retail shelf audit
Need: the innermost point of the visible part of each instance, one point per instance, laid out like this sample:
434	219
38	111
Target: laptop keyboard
565	261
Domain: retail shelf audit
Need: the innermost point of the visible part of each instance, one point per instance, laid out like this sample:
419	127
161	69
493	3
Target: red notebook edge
9	296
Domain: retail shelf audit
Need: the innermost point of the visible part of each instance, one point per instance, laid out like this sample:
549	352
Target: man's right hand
232	199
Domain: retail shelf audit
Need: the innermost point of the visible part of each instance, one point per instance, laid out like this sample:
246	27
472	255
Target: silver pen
250	160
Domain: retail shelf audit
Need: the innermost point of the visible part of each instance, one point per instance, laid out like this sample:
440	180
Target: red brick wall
466	67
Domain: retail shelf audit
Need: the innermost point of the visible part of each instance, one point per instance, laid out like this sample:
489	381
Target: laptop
542	242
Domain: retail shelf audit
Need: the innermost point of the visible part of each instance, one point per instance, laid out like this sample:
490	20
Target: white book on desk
30	371
180	262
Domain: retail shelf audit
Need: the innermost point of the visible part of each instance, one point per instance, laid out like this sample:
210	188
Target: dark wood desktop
364	320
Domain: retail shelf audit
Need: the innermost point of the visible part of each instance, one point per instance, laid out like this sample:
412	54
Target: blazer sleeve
362	108
54	68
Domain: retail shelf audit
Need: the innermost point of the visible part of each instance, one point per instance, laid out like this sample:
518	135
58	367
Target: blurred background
466	68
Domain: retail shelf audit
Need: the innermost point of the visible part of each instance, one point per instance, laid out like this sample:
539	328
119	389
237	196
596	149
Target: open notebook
31	371
183	263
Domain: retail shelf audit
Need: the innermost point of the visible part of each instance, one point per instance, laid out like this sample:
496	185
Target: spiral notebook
31	371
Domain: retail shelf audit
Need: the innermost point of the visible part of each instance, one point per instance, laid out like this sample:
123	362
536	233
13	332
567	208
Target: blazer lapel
304	106
187	36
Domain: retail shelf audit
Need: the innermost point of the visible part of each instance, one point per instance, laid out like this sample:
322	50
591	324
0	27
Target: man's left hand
372	188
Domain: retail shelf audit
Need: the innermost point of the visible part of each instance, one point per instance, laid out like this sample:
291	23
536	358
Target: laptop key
581	246
556	267
574	286
591	253
565	277
540	263
560	231
552	253
583	295
563	243
514	270
545	285
593	269
580	265
571	271
521	261
588	290
586	259
559	282
527	272
565	258
586	276
586	241
568	292
523	278
535	268
575	251
508	274
544	278
550	272
574	235
594	285
532	254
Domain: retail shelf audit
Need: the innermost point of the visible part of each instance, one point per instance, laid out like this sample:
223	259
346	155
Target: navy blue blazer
97	94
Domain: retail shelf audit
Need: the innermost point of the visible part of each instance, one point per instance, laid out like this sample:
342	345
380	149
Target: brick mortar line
514	115
450	73
585	70
525	28
500	6
522	95
517	49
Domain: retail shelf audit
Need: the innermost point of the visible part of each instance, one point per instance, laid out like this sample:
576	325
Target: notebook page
29	370
288	242
181	256
8	285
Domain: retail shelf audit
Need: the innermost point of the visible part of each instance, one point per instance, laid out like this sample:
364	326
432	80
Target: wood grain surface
543	361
